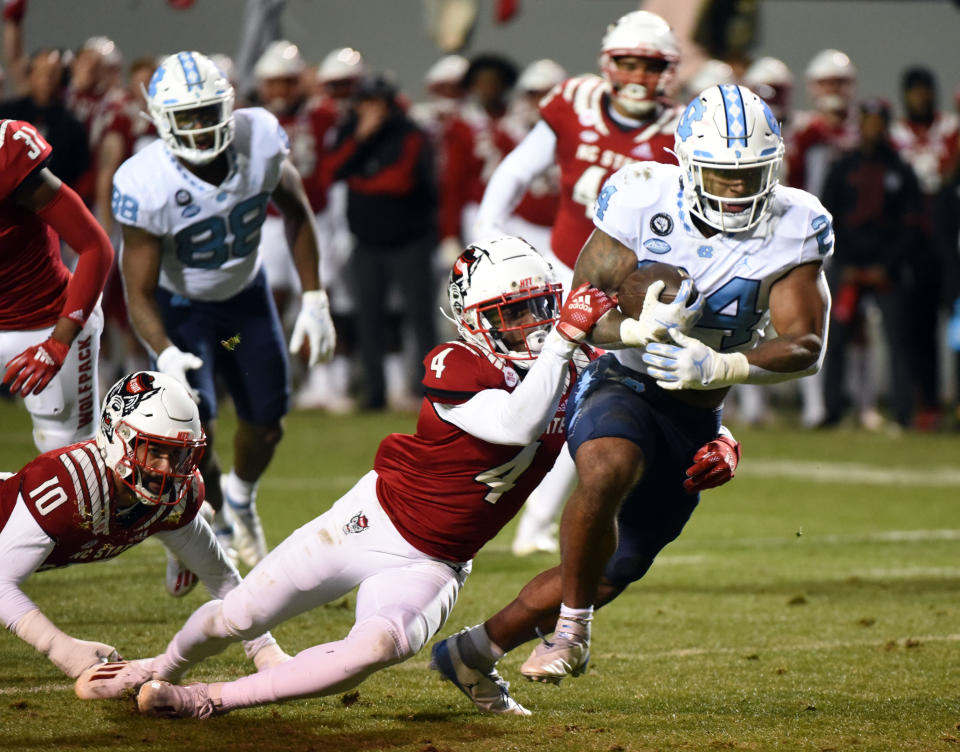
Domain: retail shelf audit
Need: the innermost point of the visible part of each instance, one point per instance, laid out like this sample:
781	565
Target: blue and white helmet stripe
191	74
734	112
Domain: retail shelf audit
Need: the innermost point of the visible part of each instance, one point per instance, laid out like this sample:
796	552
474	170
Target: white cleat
248	538
487	690
541	542
113	681
161	699
566	655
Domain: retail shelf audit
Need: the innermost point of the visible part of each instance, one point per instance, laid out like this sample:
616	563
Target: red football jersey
33	279
591	146
71	495
447	491
307	130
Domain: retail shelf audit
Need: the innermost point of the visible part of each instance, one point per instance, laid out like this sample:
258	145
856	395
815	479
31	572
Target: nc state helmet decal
124	398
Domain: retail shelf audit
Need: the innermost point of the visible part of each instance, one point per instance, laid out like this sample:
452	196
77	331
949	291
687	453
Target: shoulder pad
641	184
22	150
455	371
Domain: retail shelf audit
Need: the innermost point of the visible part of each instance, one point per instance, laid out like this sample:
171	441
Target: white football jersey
641	205
209	233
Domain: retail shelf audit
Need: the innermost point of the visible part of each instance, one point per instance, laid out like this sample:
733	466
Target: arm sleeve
518	417
74	223
23	548
196	546
513	176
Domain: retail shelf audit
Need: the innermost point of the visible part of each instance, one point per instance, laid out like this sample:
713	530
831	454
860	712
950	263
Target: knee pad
378	642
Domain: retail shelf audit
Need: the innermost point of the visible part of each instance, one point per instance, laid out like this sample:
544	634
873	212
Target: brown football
633	289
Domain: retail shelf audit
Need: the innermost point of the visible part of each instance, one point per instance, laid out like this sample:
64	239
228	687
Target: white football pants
404	598
68	409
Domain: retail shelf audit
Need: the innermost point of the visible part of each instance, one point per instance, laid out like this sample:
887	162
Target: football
633	289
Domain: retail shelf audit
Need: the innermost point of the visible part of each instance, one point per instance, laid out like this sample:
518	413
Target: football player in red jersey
590	126
490	426
44	309
93	500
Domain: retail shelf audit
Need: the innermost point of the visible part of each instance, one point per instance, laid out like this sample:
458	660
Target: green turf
792	614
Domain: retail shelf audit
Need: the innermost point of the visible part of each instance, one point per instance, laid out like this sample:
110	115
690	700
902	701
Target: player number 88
204	244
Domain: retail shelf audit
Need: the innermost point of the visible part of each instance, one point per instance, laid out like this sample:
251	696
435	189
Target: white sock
580	614
478	650
239	492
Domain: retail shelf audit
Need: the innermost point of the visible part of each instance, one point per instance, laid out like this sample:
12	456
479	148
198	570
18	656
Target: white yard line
850	473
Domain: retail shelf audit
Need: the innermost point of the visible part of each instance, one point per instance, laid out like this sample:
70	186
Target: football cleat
179	580
161	699
543	540
113	681
486	689
248	538
566	655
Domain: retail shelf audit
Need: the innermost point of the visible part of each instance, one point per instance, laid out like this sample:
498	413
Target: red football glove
713	465
583	309
32	369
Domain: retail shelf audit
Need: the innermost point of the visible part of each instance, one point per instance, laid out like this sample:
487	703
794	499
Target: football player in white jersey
192	205
755	251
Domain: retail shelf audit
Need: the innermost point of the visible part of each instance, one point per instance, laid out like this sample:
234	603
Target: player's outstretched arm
60	207
512	177
314	326
25	547
517	418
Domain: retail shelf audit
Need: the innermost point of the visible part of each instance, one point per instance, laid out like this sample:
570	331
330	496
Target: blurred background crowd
884	161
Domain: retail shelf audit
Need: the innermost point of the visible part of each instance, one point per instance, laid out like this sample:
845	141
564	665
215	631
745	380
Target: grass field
813	604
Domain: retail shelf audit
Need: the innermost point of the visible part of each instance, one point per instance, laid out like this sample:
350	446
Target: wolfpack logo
358	523
124	398
661	224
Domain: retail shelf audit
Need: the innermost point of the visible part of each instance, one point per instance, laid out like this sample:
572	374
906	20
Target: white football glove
657	317
690	364
70	655
175	363
314	325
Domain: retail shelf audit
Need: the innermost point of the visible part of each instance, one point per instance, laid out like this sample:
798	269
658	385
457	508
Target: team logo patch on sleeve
661	224
358	523
182	197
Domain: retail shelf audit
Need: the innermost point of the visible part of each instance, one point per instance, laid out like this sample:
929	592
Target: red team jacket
71	495
448	492
33	279
591	146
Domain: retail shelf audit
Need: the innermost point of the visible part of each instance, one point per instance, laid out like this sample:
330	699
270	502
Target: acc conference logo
661	224
655	245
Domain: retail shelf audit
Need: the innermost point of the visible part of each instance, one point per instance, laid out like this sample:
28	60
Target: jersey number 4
503	477
204	245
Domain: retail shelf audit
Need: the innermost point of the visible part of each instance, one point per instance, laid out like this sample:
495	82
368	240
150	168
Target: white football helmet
190	101
772	80
281	59
541	76
447	71
343	63
504	298
147	423
831	81
728	134
638	34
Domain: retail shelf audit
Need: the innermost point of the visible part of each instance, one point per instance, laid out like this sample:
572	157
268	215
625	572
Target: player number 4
436	365
502	478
